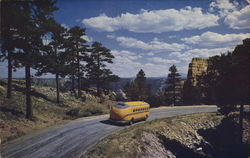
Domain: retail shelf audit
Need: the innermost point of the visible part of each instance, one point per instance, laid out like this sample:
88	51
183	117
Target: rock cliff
197	67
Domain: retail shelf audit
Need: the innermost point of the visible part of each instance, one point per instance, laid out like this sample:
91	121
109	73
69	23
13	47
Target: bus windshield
121	106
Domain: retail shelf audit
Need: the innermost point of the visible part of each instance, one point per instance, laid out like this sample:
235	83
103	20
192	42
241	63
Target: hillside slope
198	136
47	113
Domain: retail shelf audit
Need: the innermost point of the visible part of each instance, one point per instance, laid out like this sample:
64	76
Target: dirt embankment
47	112
198	135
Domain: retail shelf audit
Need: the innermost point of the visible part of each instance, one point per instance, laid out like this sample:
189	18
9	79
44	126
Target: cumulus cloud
162	60
151	53
234	17
132	63
121	54
239	19
155	21
216	39
154	45
223	6
200	53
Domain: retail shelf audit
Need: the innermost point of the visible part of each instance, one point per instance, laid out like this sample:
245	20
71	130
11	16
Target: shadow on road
112	123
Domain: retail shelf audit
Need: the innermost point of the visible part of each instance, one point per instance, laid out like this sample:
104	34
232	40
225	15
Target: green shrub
73	112
94	110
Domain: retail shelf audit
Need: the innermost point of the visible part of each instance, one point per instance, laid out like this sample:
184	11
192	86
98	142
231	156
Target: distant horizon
182	76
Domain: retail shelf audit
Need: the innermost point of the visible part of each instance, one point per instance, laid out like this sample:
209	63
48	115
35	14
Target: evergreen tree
33	17
54	58
143	89
131	91
138	89
173	90
107	77
97	71
228	77
10	19
77	48
191	94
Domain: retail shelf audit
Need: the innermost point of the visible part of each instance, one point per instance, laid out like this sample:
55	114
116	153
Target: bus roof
133	103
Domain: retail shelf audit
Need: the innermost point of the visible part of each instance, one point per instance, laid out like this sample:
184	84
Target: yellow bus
129	112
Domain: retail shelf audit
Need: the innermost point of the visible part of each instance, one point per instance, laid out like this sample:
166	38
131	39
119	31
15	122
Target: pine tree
10	18
77	48
131	91
96	65
138	89
143	89
107	77
173	90
54	58
33	16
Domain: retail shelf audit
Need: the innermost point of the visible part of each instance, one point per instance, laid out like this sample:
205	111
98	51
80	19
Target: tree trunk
174	86
29	114
79	86
241	122
9	87
57	89
73	83
98	76
78	75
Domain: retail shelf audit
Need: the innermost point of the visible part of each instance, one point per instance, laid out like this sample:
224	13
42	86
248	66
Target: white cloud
229	11
122	54
111	36
156	21
199	53
161	60
216	39
223	6
154	45
239	19
151	53
132	63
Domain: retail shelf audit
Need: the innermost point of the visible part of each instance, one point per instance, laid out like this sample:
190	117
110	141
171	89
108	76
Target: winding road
75	138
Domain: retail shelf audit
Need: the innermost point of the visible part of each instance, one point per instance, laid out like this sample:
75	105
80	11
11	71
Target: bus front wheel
131	121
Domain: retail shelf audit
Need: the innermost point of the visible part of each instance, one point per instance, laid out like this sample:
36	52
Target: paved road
76	137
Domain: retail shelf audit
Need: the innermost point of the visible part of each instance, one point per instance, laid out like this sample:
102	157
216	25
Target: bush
73	112
93	110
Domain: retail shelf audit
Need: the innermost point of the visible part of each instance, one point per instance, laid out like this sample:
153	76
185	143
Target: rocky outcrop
191	92
197	67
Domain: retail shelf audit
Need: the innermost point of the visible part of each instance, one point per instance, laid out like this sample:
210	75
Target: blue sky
154	34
